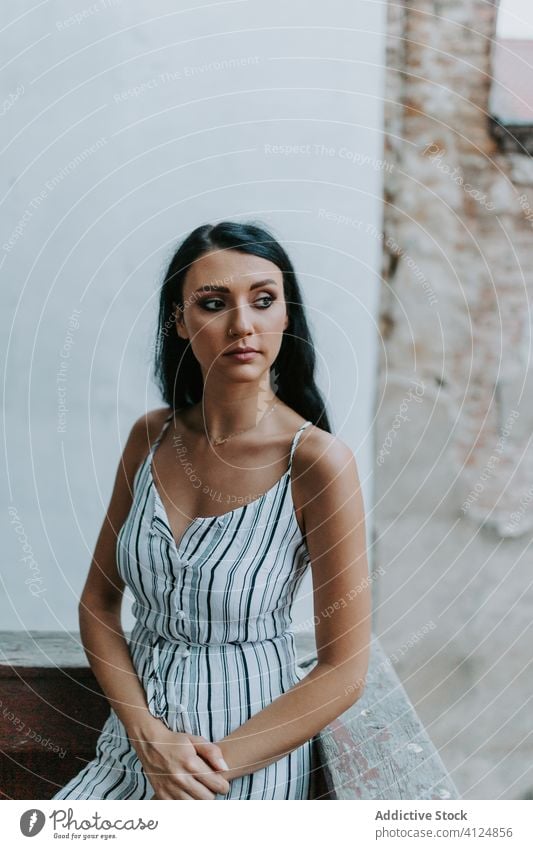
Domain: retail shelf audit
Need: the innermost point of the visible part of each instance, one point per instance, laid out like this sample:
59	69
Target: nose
240	320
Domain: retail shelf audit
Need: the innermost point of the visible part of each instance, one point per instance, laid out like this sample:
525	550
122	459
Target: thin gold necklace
218	440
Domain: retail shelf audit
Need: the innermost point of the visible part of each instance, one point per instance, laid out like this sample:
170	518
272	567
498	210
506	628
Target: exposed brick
464	237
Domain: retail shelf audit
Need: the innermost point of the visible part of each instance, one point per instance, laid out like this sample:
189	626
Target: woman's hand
181	766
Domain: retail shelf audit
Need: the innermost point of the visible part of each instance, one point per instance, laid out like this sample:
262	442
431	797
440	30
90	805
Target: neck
222	412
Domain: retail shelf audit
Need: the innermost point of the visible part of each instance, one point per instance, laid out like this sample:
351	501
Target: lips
243	355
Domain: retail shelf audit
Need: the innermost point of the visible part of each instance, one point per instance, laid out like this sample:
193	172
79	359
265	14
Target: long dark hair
176	369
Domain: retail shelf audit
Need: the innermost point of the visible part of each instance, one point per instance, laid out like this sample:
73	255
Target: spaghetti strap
295	441
161	432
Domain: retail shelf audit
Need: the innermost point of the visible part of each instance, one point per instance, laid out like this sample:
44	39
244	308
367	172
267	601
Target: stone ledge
52	710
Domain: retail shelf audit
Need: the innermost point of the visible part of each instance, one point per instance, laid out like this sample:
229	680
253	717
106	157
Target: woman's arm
336	539
100	603
108	652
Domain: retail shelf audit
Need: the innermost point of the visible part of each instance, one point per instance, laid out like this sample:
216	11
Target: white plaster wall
120	135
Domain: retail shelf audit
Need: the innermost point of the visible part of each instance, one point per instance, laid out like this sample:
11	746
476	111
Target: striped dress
212	642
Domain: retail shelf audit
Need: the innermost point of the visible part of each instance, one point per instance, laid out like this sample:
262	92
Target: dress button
220	522
180	614
180	707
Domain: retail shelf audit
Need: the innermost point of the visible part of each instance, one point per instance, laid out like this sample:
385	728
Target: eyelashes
203	303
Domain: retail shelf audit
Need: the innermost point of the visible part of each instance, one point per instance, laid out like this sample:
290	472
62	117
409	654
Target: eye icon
31	822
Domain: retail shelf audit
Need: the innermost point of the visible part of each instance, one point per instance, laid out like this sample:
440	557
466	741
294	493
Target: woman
213	533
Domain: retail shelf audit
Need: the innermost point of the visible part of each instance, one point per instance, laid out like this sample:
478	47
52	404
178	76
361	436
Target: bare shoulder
326	478
143	433
322	457
149	424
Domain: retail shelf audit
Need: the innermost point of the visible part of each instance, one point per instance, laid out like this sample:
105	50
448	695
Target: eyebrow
217	287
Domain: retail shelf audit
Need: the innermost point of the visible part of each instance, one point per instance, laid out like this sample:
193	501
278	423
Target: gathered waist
156	636
156	654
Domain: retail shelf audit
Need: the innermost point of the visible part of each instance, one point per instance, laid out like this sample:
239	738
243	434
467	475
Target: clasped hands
181	766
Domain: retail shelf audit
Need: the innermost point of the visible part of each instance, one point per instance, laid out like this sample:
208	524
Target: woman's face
225	291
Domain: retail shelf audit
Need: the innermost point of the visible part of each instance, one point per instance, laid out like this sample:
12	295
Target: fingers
210	752
195	775
187	787
202	774
198	792
181	785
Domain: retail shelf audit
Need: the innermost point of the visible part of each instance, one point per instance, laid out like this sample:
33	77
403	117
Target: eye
204	303
268	298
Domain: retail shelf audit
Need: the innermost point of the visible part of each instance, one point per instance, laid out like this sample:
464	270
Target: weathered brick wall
454	464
